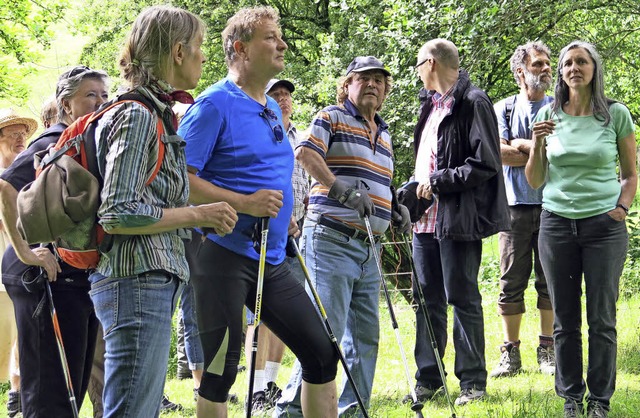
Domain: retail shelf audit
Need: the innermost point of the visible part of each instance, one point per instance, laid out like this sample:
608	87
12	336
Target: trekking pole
325	318
63	356
416	406
432	336
258	309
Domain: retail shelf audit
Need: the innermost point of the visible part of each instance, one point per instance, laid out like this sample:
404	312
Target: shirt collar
446	100
353	111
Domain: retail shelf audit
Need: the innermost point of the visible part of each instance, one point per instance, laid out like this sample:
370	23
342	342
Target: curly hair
520	56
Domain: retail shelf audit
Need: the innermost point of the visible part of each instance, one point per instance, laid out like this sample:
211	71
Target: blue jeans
192	344
448	273
595	248
345	275
135	313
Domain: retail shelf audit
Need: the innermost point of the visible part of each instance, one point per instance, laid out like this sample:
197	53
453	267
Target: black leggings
224	282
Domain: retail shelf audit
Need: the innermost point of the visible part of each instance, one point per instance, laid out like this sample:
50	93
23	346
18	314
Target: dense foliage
24	33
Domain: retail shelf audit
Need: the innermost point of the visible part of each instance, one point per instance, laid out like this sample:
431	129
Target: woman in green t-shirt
578	142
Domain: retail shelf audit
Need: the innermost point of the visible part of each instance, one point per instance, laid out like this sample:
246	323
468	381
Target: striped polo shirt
356	155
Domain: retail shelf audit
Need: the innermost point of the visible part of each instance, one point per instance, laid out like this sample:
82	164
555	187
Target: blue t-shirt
524	112
232	144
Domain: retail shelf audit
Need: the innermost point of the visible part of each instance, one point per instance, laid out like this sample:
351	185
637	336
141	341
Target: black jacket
468	178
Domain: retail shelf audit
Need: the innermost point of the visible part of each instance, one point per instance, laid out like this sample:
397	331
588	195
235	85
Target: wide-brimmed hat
274	82
360	64
9	117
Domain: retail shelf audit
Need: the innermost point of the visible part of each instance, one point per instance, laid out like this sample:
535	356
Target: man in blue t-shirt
531	68
237	151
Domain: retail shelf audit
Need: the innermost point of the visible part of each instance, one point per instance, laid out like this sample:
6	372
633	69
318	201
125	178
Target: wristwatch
623	207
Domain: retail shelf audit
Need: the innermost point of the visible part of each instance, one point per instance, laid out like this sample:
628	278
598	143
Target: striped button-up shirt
127	154
300	179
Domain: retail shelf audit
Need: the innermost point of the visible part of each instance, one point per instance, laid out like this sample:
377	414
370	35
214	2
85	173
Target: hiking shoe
572	409
510	362
272	394
596	410
258	402
423	394
547	360
470	395
14	404
167	405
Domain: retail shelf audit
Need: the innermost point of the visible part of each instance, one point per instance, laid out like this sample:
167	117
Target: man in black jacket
458	163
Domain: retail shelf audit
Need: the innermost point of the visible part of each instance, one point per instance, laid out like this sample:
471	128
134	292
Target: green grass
527	395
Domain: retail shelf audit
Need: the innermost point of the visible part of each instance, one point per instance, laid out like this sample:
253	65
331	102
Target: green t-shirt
582	153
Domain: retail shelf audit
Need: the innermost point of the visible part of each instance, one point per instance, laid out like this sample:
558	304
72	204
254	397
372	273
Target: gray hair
599	103
69	82
520	56
147	51
242	25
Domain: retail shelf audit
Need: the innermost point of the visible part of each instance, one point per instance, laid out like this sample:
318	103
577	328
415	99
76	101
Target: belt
345	229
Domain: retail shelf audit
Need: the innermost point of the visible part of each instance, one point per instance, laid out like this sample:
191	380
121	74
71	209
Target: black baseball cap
274	82
360	64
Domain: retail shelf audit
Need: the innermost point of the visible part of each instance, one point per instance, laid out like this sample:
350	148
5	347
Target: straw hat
9	117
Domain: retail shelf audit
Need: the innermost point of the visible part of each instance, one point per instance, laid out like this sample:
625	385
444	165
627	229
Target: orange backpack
70	201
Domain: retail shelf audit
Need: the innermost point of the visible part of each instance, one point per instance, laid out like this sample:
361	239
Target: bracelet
623	207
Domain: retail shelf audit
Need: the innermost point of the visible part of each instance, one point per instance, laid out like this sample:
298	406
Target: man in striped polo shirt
349	155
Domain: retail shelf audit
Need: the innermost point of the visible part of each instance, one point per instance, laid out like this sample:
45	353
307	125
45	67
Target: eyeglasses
270	116
415	67
16	135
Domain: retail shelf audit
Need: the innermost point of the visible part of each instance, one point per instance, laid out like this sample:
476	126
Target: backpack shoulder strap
509	105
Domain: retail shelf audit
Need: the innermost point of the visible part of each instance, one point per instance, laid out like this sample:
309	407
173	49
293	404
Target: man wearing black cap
349	154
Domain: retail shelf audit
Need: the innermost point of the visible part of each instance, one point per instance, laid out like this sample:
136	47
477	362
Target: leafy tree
24	32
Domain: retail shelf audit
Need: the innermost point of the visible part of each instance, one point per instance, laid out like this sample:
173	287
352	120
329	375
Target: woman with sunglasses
79	91
238	152
141	274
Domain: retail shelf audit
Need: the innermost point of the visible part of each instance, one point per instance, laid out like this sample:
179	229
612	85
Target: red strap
160	129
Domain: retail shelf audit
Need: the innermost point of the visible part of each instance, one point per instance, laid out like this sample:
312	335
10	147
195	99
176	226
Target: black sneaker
272	394
510	361
167	405
596	410
572	409
423	394
14	405
258	402
470	395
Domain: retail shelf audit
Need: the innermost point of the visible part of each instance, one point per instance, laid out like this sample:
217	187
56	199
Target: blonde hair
147	52
242	25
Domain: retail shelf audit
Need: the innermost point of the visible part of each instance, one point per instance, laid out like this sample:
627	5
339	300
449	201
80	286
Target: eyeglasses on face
415	67
16	135
270	116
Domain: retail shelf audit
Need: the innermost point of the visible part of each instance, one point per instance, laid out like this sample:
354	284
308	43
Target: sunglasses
77	70
270	116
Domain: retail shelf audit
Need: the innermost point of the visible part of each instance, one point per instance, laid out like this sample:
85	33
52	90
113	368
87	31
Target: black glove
353	198
401	219
290	249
